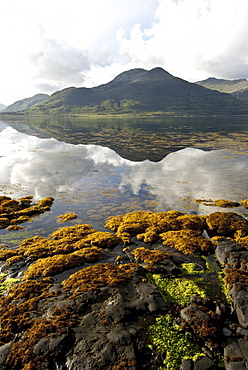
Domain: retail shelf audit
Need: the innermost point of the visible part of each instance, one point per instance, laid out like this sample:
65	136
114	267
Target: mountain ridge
23	104
141	92
238	88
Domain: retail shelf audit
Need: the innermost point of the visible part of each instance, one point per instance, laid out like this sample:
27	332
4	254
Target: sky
49	45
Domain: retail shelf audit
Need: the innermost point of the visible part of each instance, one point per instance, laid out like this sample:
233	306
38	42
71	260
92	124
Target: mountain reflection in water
95	182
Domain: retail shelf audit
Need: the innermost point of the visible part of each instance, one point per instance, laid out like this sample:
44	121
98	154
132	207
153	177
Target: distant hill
238	88
139	91
2	106
24	104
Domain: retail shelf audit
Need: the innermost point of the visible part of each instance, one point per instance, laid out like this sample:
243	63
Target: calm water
100	168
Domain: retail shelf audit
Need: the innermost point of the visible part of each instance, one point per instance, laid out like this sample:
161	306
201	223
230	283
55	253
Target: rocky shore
160	290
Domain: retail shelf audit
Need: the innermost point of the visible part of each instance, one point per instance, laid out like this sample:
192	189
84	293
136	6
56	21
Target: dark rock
243	343
208	303
235	366
240	304
187	365
204	363
193	312
206	325
241	307
241	331
4	352
47	345
233	355
226	247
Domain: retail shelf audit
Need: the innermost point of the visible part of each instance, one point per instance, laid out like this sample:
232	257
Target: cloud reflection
48	167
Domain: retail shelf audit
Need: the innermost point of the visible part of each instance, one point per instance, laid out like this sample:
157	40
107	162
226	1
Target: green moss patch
177	290
6	283
176	344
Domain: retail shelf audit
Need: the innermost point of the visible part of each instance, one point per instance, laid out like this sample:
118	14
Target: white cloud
56	44
193	39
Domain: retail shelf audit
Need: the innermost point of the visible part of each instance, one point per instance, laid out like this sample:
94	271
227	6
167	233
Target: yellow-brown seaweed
67	217
187	241
150	256
97	276
226	223
50	266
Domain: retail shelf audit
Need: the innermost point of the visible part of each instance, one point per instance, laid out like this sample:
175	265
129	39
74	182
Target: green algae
176	344
189	269
223	286
166	336
6	283
15	238
177	290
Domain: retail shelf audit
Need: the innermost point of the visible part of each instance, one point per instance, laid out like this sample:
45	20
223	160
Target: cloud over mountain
59	44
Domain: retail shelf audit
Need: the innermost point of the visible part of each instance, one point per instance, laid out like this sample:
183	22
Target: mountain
238	88
2	106
24	104
139	91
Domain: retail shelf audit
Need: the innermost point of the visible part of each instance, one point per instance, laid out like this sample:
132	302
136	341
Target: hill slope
139	91
24	104
2	106
238	88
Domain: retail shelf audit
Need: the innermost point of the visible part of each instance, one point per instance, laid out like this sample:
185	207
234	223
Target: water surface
96	182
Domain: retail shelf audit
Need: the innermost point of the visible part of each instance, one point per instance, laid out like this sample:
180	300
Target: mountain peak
131	75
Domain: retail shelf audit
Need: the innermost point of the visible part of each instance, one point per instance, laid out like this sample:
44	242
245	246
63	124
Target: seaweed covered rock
94	277
150	256
70	311
50	266
67	217
63	241
155	261
226	203
147	226
226	224
187	241
244	203
204	323
14	212
96	321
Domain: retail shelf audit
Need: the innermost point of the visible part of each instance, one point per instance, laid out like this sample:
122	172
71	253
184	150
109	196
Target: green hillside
24	104
139	91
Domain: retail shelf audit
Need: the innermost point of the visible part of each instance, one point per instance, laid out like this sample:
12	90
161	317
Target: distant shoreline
117	115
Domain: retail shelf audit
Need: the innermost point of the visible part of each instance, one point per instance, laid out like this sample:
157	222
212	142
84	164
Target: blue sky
52	44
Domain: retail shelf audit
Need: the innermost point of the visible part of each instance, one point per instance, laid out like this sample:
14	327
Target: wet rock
4	352
204	363
235	366
47	345
97	329
206	325
240	304
187	365
234	354
224	248
241	331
